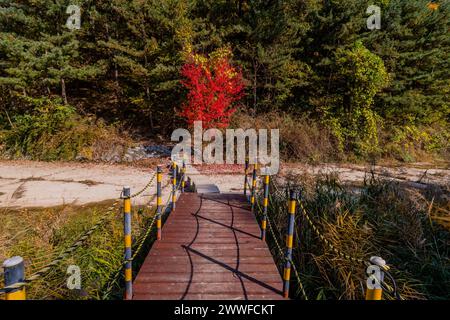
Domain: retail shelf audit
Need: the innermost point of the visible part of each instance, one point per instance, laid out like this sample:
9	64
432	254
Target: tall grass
38	235
382	218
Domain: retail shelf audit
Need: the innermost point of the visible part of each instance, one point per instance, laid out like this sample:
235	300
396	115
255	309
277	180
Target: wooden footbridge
211	248
208	246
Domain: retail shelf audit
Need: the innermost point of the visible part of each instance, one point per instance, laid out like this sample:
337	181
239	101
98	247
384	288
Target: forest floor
26	184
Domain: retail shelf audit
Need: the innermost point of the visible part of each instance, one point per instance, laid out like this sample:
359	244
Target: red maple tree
213	86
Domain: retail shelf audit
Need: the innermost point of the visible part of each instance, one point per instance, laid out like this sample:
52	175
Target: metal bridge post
126	194
158	201
289	243
174	184
178	171
265	204
252	200
14	272
246	178
183	176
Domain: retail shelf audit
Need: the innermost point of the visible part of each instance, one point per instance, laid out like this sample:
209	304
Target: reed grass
39	235
406	227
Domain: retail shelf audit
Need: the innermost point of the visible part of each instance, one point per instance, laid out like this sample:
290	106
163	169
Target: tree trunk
63	90
116	69
9	119
147	92
255	83
147	89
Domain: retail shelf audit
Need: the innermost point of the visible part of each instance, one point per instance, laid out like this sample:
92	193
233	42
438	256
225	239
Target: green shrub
307	140
53	131
410	143
300	137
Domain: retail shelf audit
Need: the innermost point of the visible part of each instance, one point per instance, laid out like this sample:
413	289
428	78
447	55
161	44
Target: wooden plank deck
210	249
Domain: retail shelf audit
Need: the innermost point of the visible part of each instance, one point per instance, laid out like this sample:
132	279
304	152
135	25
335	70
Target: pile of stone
146	152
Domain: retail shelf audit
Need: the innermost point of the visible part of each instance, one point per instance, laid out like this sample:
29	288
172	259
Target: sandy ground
43	184
415	176
230	178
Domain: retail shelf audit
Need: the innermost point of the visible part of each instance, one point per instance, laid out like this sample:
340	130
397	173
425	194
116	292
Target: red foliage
213	88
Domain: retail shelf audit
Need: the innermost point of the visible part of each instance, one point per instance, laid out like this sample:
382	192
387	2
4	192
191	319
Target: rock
146	152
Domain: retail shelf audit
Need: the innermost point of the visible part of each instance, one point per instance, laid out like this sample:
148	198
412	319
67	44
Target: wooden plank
210	249
208	267
234	287
249	245
221	276
224	261
213	296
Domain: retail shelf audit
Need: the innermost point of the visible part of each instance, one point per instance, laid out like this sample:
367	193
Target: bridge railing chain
45	269
149	228
276	233
137	194
325	240
385	268
143	239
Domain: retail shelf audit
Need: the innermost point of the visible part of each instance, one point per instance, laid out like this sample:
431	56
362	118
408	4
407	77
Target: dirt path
44	184
415	176
229	178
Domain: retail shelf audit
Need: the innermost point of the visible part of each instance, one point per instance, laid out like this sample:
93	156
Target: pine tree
264	36
125	62
415	46
42	54
144	48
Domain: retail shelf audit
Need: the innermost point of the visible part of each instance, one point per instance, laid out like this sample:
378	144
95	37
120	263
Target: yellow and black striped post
126	194
246	178
375	271
374	294
158	201
433	5
265	204
289	243
252	199
179	172
174	185
183	176
14	273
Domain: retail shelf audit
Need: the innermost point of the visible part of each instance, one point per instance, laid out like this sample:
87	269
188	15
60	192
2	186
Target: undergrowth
38	235
50	130
307	140
382	218
407	228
